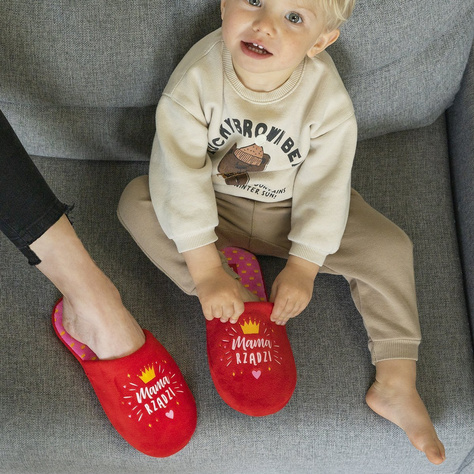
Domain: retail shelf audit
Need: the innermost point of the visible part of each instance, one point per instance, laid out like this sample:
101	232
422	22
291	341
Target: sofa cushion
403	60
51	421
461	128
95	69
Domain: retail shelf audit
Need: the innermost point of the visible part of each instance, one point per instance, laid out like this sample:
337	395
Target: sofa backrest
82	79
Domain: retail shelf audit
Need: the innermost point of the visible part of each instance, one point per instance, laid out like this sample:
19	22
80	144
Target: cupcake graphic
239	162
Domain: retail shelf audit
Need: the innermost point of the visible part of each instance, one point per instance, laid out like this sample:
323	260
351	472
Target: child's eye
255	3
294	17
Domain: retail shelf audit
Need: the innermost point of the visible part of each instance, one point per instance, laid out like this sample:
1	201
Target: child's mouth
255	48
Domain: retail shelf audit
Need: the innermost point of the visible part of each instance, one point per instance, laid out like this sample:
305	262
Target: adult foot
106	327
402	405
93	312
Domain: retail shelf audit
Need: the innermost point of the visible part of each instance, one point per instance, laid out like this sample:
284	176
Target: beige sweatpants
375	257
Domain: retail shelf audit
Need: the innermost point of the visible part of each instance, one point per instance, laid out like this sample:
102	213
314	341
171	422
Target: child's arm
292	289
320	206
218	293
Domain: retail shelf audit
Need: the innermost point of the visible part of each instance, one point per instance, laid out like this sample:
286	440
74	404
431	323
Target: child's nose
264	24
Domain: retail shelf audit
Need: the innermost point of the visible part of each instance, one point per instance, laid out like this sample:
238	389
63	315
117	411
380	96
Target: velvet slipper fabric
144	394
251	362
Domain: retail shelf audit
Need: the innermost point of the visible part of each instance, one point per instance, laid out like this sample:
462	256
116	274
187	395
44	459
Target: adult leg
33	219
93	310
28	207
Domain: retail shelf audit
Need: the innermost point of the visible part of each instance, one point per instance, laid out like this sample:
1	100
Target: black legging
28	207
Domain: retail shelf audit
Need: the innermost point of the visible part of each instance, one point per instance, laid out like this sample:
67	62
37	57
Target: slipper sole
245	264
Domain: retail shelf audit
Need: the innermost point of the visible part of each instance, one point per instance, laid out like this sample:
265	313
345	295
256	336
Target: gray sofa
79	81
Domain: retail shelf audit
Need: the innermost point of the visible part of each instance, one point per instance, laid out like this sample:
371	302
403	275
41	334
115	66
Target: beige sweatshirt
213	134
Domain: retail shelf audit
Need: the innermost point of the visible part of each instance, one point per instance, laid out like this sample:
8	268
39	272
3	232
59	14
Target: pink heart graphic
256	373
170	414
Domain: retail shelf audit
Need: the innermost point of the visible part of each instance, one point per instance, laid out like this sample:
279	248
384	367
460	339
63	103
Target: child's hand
220	295
292	289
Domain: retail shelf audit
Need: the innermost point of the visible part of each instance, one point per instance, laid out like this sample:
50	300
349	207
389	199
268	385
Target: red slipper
251	362
144	394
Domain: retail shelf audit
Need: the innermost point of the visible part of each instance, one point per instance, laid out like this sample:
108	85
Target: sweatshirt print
213	134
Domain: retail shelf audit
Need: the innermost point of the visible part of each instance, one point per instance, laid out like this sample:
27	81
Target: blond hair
337	12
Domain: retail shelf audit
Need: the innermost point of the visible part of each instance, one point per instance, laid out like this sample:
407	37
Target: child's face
269	38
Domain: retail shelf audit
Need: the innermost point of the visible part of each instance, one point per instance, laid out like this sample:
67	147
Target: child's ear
222	9
325	40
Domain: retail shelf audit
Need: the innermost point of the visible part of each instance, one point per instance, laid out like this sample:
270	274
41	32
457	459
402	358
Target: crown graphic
147	374
250	327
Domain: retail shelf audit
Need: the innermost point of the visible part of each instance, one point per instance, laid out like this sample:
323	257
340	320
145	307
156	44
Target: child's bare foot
247	296
394	397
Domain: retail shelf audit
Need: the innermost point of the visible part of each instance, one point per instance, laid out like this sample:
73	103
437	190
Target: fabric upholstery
52	423
461	127
94	71
81	80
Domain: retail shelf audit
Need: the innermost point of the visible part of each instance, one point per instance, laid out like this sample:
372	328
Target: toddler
255	141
